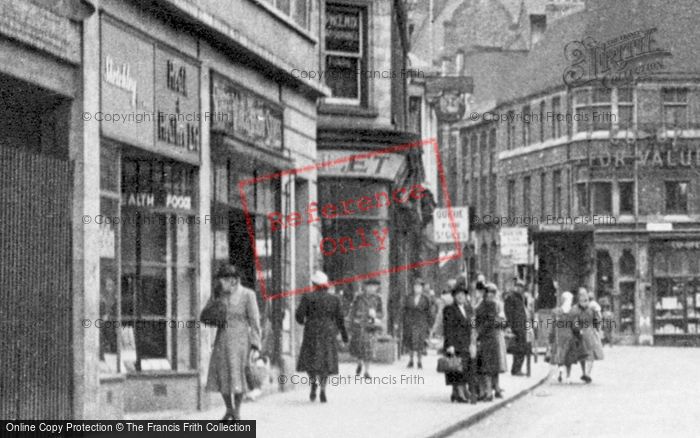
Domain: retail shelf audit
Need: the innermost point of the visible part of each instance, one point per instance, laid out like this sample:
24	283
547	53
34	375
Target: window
625	108
541	122
464	137
582	198
526	196
543	194
510	141
602	197
556	193
452	166
526	125
675	101
511	198
492	149
492	176
483	153
626	197
465	194
593	109
414	115
344	52
556	114
484	201
676	197
297	10
492	194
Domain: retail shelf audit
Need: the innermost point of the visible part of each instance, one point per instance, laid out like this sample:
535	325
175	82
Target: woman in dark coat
235	341
459	340
322	317
417	317
488	357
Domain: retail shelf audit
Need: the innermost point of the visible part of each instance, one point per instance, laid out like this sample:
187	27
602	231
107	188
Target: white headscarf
566	299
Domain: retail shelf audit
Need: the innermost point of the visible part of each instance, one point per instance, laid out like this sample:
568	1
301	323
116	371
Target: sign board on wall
244	115
380	166
442	225
150	95
514	245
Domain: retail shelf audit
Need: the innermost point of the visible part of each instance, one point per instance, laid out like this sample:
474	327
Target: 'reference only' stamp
362	237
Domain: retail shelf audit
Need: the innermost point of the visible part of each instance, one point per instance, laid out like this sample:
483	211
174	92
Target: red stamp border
393	149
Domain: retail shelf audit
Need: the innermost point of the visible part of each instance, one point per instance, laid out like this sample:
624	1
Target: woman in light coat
235	340
586	325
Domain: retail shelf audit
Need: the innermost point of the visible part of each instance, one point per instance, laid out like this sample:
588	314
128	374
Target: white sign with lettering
442	225
514	245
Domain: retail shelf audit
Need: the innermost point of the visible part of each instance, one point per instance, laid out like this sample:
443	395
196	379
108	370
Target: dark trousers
518	360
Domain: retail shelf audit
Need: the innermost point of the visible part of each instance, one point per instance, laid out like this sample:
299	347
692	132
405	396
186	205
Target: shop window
627	265
675	107
669	315
625	108
345	49
676	196
556	114
627	312
593	109
510	128
511	198
526	129
626	197
602	197
526	196
582	198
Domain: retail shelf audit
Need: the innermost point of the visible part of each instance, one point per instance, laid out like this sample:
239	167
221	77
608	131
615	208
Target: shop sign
657	155
150	96
36	26
352	164
514	245
442	224
343	30
244	115
157	200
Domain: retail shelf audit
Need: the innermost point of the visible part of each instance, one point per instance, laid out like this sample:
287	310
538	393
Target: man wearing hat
366	314
322	317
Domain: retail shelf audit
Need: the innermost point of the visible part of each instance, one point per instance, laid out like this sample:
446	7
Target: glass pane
109	169
626	197
152	296
183	332
602	198
152	237
343	29
283	5
583	119
151	339
624	117
300	12
342	76
601	95
625	94
602	118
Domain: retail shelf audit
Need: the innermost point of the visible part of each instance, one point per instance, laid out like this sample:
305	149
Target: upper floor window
602	198
345	53
542	121
556	114
510	207
464	139
526	125
510	137
543	194
625	108
677	197
675	101
475	152
582	198
593	109
556	193
492	149
297	10
526	196
483	158
626	197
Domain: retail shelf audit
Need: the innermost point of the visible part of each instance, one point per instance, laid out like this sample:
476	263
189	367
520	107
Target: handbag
214	313
255	372
449	364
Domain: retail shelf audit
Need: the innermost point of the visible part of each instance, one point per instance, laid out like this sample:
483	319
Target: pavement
636	391
400	402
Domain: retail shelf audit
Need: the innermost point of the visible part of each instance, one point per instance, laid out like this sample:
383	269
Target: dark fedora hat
459	289
228	271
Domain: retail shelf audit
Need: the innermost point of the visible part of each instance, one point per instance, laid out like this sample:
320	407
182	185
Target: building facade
139	120
598	167
365	52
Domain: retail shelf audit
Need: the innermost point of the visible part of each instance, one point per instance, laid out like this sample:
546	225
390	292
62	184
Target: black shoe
228	416
420	366
358	370
367	376
498	394
517	374
583	377
410	364
312	395
586	379
488	399
323	397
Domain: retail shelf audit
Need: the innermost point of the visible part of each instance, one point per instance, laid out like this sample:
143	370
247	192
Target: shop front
149	172
676	291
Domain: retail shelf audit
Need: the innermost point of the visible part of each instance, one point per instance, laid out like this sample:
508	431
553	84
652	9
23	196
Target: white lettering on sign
140	200
442	224
181	202
514	244
120	77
